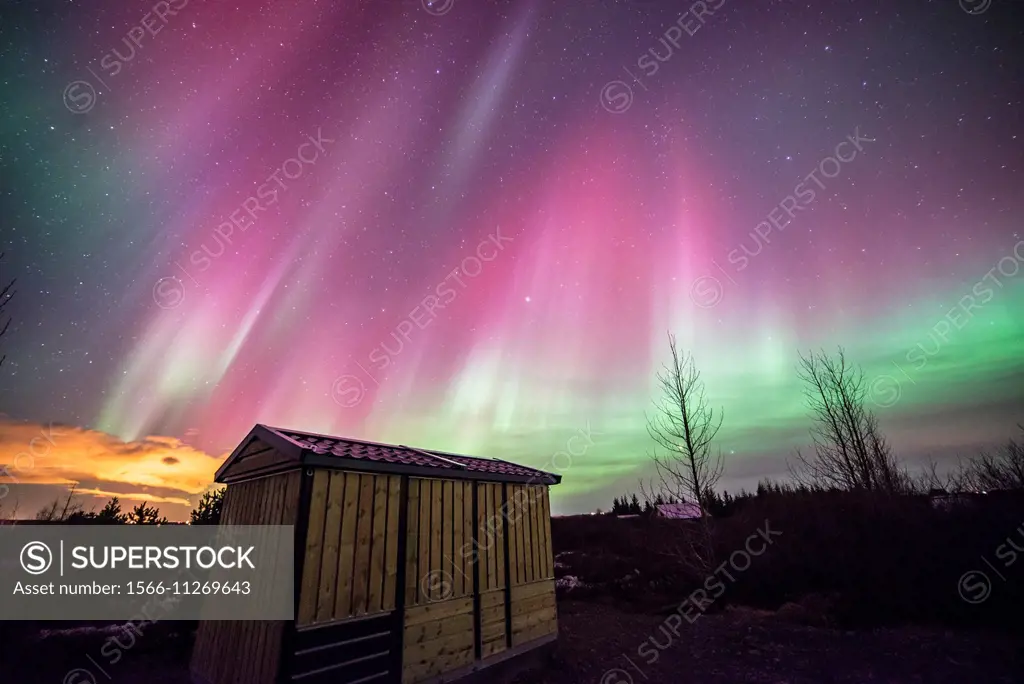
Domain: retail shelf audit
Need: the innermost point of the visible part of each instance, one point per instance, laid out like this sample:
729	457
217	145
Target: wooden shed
411	565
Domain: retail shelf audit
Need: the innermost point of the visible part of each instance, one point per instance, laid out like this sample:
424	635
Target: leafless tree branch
7	292
1003	470
849	450
684	427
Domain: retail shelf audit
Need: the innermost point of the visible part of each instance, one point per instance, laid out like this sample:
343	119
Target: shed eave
268	436
315	460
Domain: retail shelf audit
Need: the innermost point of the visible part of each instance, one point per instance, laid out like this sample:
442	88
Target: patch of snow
569	582
109	630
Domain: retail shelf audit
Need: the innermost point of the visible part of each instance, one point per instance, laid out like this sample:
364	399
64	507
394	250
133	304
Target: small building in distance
411	565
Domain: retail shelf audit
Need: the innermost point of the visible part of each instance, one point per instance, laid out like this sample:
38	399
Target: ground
598	644
732	647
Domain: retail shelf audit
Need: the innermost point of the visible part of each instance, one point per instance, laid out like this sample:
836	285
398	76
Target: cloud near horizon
39	462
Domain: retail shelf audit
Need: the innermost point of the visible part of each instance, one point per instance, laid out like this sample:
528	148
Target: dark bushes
879	560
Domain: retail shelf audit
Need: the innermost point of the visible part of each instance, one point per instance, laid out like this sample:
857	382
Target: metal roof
343	452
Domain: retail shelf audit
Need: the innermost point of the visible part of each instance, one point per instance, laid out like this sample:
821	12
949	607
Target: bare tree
929	480
57	512
850	451
12	516
6	293
684	427
1003	470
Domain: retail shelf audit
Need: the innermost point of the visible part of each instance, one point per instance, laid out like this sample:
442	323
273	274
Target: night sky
469	227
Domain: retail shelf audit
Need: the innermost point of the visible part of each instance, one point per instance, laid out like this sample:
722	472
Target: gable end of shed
262	452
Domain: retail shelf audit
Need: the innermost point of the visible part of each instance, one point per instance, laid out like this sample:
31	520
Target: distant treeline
987	472
70	511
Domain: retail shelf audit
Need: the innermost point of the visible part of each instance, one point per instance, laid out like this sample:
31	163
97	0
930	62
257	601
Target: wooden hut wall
449	553
439	633
464	600
247	652
493	583
351	558
531	563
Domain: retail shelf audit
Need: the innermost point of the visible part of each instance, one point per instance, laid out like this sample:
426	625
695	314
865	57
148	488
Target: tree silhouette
6	294
145	515
685	426
850	451
209	508
1003	470
111	513
69	510
627	504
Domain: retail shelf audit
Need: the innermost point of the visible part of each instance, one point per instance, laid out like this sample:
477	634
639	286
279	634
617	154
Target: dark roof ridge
437	456
323	449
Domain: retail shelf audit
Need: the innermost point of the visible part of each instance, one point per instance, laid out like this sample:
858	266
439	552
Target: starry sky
469	226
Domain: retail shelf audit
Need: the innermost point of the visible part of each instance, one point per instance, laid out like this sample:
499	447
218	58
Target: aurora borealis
469	225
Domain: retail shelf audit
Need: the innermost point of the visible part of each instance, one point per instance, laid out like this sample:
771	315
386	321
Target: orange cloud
154	469
148	497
